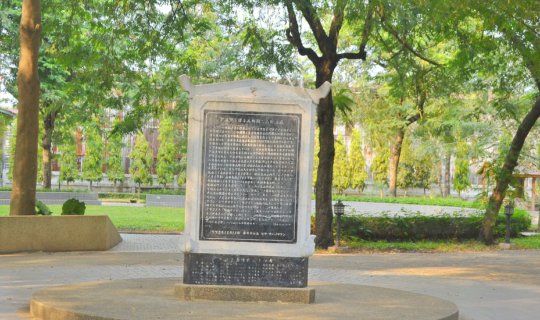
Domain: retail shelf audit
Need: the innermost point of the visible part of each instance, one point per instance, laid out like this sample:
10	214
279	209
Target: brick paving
488	285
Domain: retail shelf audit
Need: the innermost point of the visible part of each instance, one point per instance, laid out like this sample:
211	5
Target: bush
73	207
415	226
42	209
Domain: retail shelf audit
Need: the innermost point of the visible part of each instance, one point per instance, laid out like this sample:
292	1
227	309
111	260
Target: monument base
154	299
245	270
189	292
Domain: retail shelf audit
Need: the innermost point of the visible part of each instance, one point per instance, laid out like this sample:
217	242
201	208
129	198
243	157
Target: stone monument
248	191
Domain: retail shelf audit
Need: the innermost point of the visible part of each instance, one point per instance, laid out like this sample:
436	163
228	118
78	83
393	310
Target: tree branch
337	21
293	35
404	43
366	32
420	113
309	13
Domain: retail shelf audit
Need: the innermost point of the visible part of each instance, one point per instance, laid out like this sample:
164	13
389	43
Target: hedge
415	226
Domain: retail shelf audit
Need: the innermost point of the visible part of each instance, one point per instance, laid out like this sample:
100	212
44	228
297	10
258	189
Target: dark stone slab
250	176
243	270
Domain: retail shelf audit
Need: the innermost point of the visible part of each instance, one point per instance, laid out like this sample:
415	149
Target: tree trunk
505	176
23	195
394	162
446	182
323	189
46	145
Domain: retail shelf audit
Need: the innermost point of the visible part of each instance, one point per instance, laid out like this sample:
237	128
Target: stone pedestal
190	292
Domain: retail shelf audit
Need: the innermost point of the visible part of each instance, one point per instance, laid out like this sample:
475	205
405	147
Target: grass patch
521	243
419	246
532	242
155	219
445	202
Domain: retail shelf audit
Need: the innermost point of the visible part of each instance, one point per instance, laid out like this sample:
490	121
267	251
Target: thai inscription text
250	176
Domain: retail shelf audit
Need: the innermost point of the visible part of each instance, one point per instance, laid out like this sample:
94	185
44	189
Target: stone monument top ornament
248	188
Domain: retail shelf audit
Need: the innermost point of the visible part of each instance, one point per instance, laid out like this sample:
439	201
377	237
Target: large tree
500	44
23	195
330	53
519	25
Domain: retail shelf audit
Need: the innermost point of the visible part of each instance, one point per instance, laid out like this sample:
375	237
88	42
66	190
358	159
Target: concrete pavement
487	285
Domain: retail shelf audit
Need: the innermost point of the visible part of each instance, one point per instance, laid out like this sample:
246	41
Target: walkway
486	286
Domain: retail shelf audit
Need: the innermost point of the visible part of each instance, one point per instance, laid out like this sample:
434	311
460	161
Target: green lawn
155	219
437	246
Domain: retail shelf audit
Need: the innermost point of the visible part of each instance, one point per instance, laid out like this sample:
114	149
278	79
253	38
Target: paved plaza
494	285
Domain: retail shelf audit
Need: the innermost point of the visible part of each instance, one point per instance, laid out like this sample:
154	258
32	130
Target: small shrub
73	207
42	209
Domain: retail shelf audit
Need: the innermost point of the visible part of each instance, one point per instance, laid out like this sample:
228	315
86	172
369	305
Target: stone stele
248	189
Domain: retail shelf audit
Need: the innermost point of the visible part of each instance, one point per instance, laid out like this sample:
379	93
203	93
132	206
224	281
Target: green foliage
343	101
73	207
169	148
42	209
414	167
182	171
357	163
406	176
93	159
141	161
414	226
379	166
115	171
461	173
69	170
341	180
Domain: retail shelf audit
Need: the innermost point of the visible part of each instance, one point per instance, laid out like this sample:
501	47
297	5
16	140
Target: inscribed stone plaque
250	176
220	269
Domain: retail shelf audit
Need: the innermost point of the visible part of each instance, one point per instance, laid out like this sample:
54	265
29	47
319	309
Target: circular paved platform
154	299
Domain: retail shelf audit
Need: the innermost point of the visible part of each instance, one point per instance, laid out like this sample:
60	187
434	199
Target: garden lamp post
339	210
508	211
